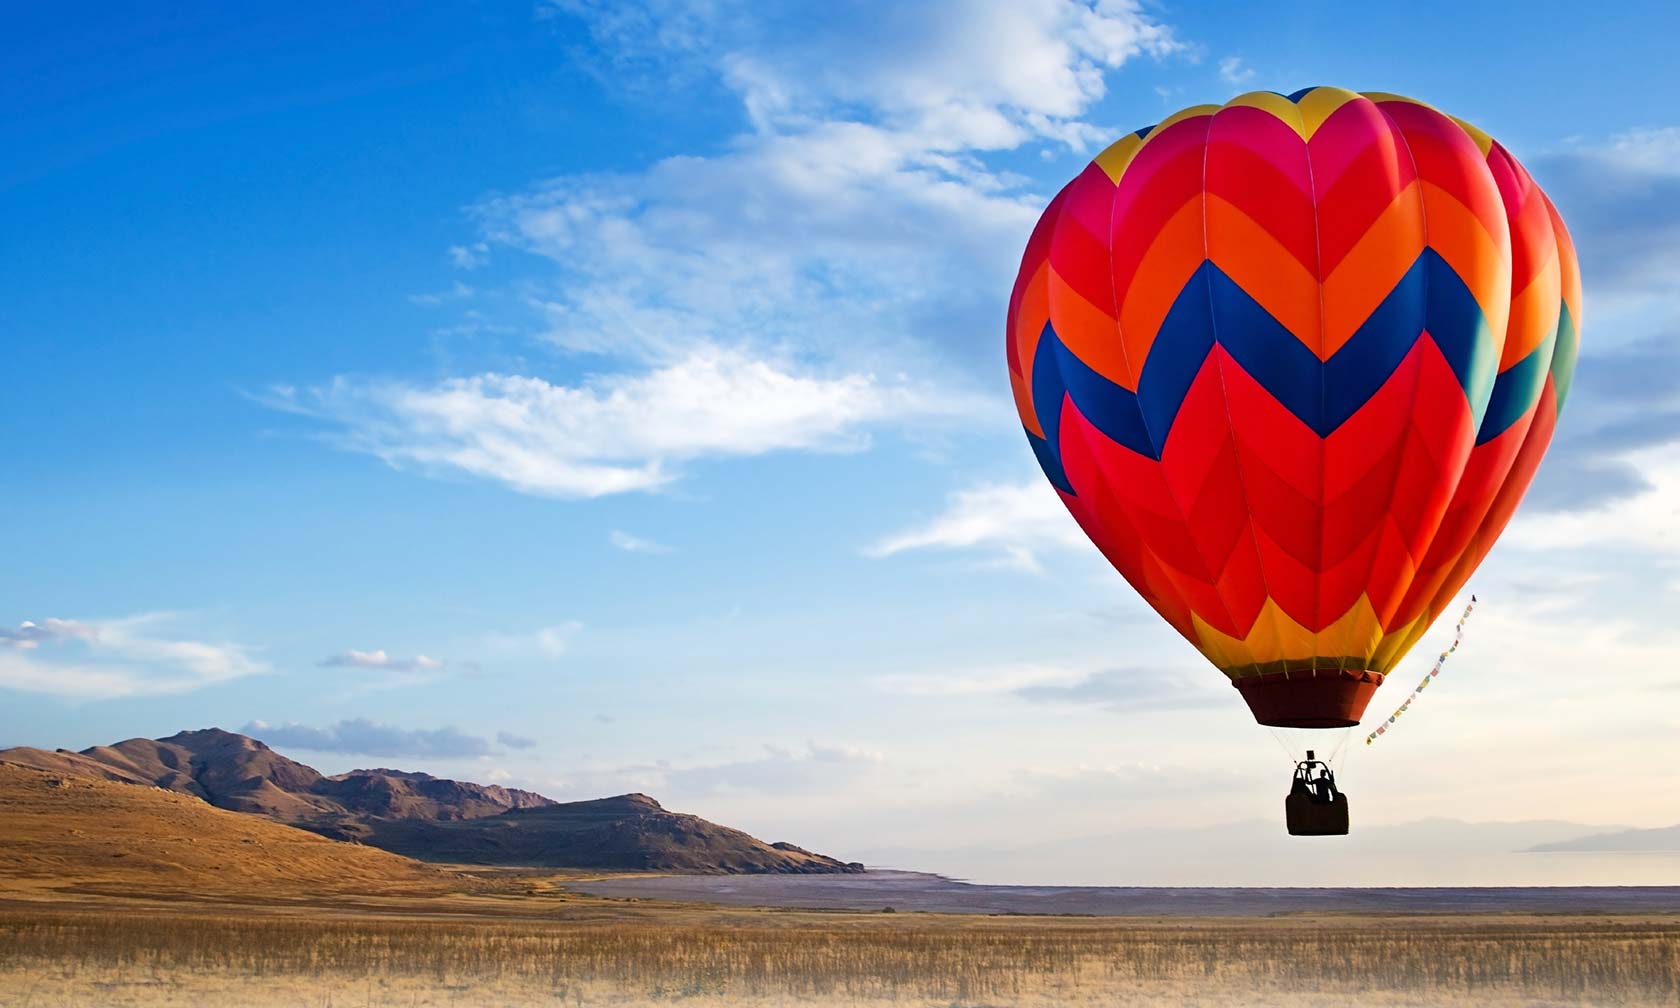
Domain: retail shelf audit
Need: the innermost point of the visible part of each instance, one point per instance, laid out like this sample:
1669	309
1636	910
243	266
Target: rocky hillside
428	817
627	832
242	774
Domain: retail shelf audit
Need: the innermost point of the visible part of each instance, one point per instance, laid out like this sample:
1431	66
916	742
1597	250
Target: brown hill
242	774
427	817
627	832
400	794
72	834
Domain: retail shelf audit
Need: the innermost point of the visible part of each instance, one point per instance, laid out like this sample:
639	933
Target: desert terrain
122	894
425	817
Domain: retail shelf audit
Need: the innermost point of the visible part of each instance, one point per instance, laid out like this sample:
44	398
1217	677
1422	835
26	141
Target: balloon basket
1307	816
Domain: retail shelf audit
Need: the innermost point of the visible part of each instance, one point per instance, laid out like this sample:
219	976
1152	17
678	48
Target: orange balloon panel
1291	362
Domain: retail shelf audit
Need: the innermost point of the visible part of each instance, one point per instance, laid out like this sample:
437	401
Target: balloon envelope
1291	362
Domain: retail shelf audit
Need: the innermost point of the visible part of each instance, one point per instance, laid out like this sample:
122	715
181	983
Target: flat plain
116	895
562	950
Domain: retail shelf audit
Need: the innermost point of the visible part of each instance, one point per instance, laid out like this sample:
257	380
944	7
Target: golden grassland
61	833
115	895
593	952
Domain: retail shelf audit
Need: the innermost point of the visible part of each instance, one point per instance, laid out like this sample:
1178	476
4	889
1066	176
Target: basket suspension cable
1290	753
1341	744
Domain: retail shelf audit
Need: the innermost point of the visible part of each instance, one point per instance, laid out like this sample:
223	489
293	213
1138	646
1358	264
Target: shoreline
906	891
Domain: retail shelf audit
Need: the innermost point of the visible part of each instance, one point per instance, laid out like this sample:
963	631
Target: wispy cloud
1115	689
776	770
1012	521
547	642
1621	200
457	291
610	433
1025	66
30	634
635	544
381	670
1233	71
770	296
859	212
469	257
513	741
362	737
105	659
970	681
380	660
1622	418
1125	782
1611	460
1643	517
1128	689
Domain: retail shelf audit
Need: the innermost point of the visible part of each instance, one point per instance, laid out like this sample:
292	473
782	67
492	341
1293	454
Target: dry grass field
117	895
70	834
584	952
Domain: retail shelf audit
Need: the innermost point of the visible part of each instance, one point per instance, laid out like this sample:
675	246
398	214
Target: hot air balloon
1291	362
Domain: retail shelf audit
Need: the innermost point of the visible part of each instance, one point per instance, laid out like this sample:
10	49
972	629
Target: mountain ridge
1656	840
425	817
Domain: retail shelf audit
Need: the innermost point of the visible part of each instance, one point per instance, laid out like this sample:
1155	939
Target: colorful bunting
1458	637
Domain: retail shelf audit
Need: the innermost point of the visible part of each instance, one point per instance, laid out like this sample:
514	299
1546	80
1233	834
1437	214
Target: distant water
904	891
1418	854
1320	866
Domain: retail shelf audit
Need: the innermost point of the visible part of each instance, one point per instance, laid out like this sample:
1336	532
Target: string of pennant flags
1458	637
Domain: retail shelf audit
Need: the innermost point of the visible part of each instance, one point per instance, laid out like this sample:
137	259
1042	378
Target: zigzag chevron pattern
1292	362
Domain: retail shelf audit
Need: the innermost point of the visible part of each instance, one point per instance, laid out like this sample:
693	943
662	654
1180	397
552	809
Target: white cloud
513	741
753	297
1548	642
1128	783
547	642
388	671
30	635
456	291
554	640
971	681
1647	520
1621	421
380	660
858	217
845	239
776	770
1621	200
1232	70
1129	689
469	257
634	543
961	72
976	74
1143	688
360	736
104	659
609	434
1655	151
1014	521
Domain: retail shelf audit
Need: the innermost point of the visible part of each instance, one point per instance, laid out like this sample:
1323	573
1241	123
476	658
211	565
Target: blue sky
598	397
